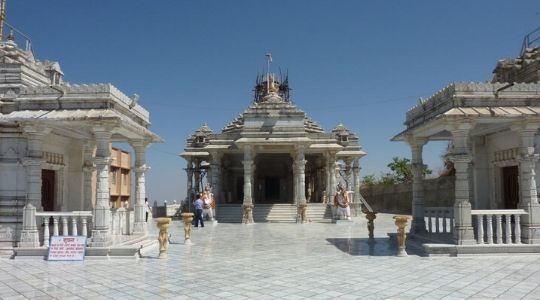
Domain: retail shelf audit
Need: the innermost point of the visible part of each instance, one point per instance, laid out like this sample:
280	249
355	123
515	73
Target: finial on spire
2	18
268	62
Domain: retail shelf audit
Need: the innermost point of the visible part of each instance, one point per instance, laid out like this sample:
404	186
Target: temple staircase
273	213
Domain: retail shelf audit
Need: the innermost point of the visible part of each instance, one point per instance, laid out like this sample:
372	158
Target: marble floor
277	261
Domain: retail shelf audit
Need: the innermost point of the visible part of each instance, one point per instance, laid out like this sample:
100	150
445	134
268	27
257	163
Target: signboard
67	248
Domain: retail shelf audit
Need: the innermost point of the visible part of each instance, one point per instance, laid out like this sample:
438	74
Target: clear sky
363	63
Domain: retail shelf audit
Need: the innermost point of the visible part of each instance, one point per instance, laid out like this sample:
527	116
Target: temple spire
2	18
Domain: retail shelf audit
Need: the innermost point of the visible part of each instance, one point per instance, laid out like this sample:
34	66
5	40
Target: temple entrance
271	189
48	182
510	185
273	179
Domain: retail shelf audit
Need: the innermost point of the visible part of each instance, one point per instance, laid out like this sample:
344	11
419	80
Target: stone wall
438	192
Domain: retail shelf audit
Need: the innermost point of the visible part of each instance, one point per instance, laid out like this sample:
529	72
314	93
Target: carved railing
500	226
121	221
439	219
64	223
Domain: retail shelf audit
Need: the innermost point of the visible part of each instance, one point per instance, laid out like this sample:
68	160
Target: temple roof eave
273	141
192	154
332	146
81	117
351	153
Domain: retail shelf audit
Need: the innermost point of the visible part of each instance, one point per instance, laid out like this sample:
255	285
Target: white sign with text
67	248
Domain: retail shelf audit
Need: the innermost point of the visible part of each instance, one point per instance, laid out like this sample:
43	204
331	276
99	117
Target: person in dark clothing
199	211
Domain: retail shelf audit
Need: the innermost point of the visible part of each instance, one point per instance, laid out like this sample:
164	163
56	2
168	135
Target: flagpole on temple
2	18
268	61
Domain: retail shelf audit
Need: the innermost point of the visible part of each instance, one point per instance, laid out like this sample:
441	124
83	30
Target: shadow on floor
371	247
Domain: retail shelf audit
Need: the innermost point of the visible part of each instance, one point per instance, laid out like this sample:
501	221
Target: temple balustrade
69	223
439	219
498	226
79	223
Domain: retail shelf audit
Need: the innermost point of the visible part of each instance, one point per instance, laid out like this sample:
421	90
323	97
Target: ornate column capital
103	160
415	142
460	158
141	169
89	168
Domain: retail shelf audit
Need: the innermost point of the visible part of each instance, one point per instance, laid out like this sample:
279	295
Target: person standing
147	208
199	211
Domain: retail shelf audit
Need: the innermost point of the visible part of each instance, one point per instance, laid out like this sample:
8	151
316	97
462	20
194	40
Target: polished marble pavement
277	261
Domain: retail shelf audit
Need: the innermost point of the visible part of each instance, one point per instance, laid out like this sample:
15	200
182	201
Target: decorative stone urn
187	217
248	217
401	222
370	216
163	238
302	208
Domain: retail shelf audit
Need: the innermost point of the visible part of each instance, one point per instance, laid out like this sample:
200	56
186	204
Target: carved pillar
88	171
215	167
530	223
461	157
319	180
300	166
102	214
348	174
248	174
197	175
332	165
32	163
356	174
139	224
418	224
189	181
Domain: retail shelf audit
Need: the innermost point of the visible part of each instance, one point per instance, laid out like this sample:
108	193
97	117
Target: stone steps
275	213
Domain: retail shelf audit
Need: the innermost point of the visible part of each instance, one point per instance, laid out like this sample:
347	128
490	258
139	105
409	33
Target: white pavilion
55	141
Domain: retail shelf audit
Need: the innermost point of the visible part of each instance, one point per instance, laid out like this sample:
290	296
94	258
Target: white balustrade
121	221
489	233
78	218
439	219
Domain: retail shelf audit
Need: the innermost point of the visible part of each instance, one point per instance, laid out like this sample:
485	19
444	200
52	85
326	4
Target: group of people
204	207
342	203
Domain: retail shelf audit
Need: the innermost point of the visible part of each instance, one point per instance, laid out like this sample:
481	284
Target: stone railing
490	224
64	223
122	220
439	219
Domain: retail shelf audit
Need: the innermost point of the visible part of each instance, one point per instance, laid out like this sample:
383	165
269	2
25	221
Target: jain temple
273	161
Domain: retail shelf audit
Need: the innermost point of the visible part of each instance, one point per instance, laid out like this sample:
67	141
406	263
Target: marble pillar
139	224
189	181
418	224
461	157
33	165
332	180
215	167
248	174
348	174
102	214
530	223
88	171
356	173
197	176
300	174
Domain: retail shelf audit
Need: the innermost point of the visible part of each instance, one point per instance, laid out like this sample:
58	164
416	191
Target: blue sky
363	63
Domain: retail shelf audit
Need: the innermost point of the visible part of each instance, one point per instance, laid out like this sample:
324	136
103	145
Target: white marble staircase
274	213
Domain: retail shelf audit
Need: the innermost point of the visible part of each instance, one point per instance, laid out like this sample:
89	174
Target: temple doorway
48	183
510	176
273	178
